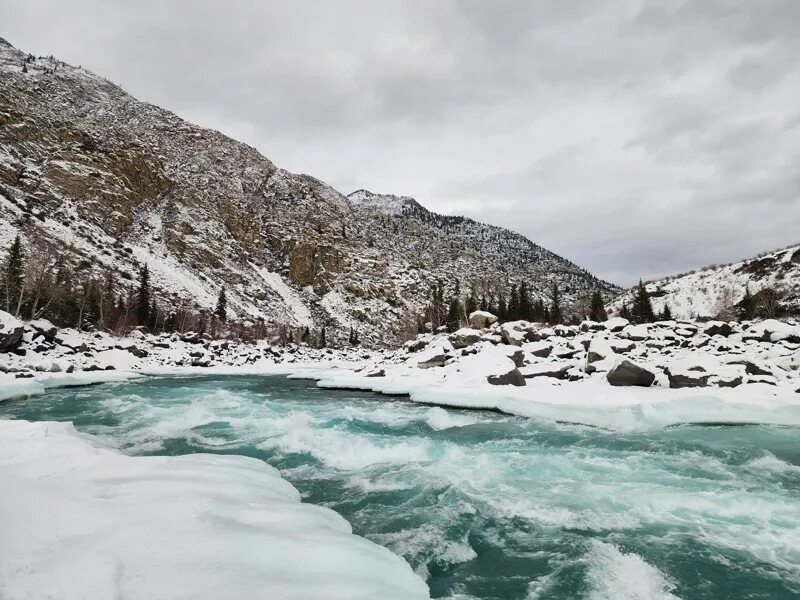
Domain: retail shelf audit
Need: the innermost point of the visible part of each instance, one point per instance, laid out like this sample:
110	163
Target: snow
296	308
81	520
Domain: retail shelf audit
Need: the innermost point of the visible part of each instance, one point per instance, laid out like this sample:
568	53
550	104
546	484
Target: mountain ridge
92	174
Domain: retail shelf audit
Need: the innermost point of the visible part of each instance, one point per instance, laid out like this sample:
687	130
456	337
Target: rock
729	381
627	373
512	377
415	345
380	373
557	370
750	367
599	350
434	361
517	333
686	378
44	328
622	345
466	336
718	328
481	319
591	326
540	349
11	332
191	337
637	333
616	324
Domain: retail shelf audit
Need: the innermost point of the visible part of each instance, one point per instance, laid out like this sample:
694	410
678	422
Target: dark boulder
627	373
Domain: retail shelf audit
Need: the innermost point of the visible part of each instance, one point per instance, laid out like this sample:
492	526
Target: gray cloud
636	138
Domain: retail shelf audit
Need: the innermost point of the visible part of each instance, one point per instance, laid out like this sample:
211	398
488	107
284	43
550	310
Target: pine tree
454	310
747	305
152	323
625	312
13	278
322	341
484	305
221	311
666	313
143	296
642	308
513	305
502	310
598	309
525	306
555	306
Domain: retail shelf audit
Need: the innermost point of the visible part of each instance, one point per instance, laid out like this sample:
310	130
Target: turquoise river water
484	505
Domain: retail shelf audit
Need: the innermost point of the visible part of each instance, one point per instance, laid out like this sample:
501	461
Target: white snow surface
80	521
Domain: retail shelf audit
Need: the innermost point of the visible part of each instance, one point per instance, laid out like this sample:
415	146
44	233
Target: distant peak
387	203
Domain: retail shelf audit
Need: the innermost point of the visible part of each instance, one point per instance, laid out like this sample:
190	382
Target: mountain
107	183
713	290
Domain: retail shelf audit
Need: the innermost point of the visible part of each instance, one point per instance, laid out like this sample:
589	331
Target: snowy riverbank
613	374
82	521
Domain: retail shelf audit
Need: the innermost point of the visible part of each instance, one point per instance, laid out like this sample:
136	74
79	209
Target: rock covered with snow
11	331
481	319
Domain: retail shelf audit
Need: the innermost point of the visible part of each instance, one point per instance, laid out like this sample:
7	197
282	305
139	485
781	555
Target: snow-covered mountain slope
487	254
112	182
709	291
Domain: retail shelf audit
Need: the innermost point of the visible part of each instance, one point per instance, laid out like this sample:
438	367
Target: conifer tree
322	341
625	312
747	305
555	305
666	313
513	305
454	310
143	297
502	310
221	310
525	307
642	308
152	323
484	305
598	309
13	279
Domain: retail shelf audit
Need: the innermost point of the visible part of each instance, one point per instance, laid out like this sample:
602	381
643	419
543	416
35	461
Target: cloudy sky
637	138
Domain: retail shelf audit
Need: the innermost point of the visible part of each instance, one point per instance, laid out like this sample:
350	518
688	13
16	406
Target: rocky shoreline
518	367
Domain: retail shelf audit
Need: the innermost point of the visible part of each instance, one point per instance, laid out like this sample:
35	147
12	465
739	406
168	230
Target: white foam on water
425	544
439	419
342	450
615	575
773	464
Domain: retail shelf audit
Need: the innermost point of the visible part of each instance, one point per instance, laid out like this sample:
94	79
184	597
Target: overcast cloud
635	138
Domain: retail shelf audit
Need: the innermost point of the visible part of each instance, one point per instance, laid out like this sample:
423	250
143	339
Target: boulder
437	360
599	351
481	319
539	349
627	373
616	324
687	378
591	326
516	333
11	332
622	345
556	370
415	345
750	367
637	333
511	377
718	328
466	336
44	328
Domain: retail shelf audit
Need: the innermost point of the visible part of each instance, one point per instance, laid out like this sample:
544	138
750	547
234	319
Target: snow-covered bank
82	521
613	374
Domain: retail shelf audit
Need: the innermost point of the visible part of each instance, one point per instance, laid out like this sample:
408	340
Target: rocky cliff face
117	183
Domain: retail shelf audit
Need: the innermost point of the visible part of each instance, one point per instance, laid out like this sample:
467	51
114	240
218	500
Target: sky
636	138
